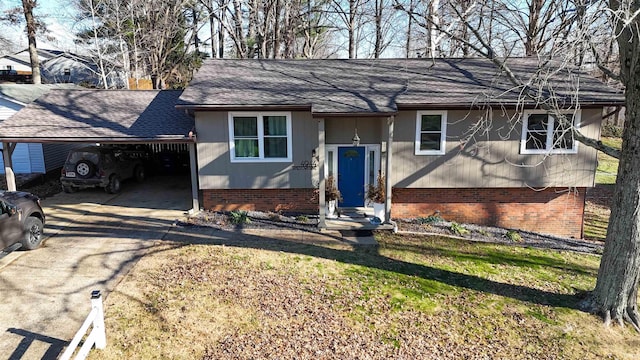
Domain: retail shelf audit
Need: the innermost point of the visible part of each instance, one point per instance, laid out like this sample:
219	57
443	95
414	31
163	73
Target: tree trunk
615	294
351	27
276	31
28	6
223	12
103	73
409	30
379	5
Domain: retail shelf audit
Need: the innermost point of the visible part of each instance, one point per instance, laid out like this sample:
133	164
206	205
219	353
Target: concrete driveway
93	240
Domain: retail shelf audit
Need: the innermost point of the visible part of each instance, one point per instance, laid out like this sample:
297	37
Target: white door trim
375	148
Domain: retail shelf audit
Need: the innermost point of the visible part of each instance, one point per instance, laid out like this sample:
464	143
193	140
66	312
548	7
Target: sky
57	14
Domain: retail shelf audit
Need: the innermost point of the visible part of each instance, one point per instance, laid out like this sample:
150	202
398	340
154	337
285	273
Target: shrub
377	193
239	217
302	219
331	191
458	229
431	219
514	236
274	216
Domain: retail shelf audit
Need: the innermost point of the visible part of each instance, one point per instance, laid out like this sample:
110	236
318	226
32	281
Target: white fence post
97	337
98	322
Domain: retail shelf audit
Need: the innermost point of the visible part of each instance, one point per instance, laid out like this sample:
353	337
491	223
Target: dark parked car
21	221
103	166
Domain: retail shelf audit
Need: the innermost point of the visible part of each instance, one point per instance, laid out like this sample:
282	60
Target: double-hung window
542	133
431	132
260	137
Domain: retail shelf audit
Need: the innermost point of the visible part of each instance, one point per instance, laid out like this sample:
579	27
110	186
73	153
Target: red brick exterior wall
298	200
556	211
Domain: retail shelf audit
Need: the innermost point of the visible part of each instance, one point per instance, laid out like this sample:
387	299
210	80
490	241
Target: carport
104	117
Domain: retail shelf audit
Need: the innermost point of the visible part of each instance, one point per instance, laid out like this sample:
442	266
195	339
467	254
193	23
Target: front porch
364	161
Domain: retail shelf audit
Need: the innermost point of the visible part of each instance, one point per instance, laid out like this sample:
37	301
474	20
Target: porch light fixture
356	139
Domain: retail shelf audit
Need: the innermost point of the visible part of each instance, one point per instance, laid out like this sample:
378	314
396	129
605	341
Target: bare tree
154	39
32	27
272	28
616	291
351	17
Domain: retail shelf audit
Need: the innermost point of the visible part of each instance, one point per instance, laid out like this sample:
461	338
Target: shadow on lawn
369	256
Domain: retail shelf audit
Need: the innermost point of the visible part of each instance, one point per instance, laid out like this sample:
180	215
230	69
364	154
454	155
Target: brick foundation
298	200
556	211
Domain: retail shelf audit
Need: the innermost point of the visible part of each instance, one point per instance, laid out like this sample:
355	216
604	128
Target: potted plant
331	196
376	194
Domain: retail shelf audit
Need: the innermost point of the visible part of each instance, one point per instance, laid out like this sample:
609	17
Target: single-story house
56	67
30	158
452	136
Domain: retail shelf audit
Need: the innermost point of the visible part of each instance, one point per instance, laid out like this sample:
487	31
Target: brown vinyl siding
341	130
488	160
216	171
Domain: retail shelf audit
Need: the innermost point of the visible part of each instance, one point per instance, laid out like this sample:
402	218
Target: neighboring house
56	67
453	137
30	157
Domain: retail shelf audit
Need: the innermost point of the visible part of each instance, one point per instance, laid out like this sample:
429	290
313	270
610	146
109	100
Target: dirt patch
252	220
42	185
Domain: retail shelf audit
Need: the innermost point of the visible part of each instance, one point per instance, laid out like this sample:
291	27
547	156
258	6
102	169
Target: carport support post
194	177
7	151
388	185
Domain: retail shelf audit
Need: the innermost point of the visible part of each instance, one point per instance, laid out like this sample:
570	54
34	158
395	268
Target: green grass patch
595	225
607	165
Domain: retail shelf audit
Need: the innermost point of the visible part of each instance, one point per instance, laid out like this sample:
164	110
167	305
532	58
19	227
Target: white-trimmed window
431	132
260	136
542	133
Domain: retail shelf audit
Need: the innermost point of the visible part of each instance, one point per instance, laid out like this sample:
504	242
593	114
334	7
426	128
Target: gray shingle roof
26	93
375	86
100	116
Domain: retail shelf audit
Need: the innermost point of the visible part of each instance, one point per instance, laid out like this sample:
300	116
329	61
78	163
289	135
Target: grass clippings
413	297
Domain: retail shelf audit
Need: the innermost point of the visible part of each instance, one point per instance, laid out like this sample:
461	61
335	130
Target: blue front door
351	175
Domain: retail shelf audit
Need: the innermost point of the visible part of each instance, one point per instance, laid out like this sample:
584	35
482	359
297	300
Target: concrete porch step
356	219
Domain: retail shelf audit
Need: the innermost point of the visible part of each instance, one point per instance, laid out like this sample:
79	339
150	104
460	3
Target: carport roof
100	116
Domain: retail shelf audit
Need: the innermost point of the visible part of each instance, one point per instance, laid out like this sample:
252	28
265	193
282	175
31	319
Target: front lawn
414	297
